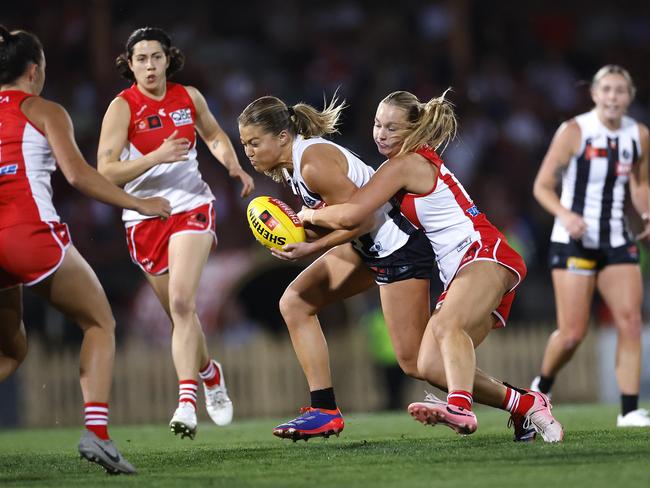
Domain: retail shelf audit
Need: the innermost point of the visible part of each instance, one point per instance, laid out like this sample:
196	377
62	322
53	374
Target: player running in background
35	246
598	153
479	270
285	143
148	146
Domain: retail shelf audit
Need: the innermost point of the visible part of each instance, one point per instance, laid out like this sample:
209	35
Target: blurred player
285	143
598	154
35	246
480	271
148	146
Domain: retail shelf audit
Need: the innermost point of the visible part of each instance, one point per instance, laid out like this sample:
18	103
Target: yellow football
274	223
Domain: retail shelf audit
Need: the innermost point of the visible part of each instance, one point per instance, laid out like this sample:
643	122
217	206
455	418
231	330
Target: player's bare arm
218	141
564	146
113	139
639	183
406	171
56	124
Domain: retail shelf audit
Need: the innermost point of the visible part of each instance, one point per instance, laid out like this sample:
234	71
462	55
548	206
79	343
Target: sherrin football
274	223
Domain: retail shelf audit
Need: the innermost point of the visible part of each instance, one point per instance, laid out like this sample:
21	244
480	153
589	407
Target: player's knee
181	305
445	327
409	366
630	326
292	304
572	339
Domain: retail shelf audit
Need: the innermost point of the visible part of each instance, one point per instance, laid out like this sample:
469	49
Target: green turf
375	450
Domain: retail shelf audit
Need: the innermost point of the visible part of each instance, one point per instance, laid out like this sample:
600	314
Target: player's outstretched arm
57	126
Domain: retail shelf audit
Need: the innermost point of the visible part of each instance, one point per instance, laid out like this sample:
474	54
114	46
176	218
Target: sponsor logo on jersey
154	122
182	116
473	211
623	168
9	169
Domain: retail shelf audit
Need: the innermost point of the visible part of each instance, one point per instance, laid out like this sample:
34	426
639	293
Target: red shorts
31	252
148	240
493	246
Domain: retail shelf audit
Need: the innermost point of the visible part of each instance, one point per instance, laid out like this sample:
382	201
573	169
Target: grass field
375	450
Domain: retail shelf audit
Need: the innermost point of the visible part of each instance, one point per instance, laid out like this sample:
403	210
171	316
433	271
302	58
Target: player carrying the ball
285	143
478	268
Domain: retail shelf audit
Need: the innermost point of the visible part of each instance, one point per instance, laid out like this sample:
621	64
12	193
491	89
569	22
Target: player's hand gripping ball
274	223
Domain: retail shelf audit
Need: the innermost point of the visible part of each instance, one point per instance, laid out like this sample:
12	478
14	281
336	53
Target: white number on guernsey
4	99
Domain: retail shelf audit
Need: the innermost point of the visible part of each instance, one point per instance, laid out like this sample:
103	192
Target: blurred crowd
517	70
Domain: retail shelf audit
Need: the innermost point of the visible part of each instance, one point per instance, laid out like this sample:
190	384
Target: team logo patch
9	169
473	211
268	220
197	220
181	116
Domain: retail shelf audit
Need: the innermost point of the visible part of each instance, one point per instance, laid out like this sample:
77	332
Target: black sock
545	383
323	399
629	403
522	391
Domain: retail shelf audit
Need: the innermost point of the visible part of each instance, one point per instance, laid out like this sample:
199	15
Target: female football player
36	135
478	268
148	146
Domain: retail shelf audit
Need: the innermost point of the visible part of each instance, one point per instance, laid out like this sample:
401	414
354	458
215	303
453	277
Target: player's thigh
337	274
621	287
13	340
75	290
573	297
188	253
160	286
475	292
406	308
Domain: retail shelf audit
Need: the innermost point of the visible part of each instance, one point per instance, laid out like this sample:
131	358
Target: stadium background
517	70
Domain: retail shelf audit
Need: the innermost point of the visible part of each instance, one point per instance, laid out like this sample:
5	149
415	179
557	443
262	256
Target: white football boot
184	421
217	402
635	418
534	386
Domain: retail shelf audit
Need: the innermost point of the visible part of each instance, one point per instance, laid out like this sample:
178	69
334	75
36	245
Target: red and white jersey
151	122
26	166
447	215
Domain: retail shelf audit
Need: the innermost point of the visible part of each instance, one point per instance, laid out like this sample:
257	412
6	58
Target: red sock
210	374
187	392
96	418
515	402
460	398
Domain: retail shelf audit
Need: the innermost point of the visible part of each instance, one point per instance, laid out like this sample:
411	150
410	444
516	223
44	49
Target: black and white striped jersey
595	182
393	229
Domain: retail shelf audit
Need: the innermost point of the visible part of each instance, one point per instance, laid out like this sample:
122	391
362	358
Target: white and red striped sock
210	374
460	398
96	418
515	402
187	392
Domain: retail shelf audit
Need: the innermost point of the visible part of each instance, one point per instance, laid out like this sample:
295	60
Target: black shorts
415	259
575	257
